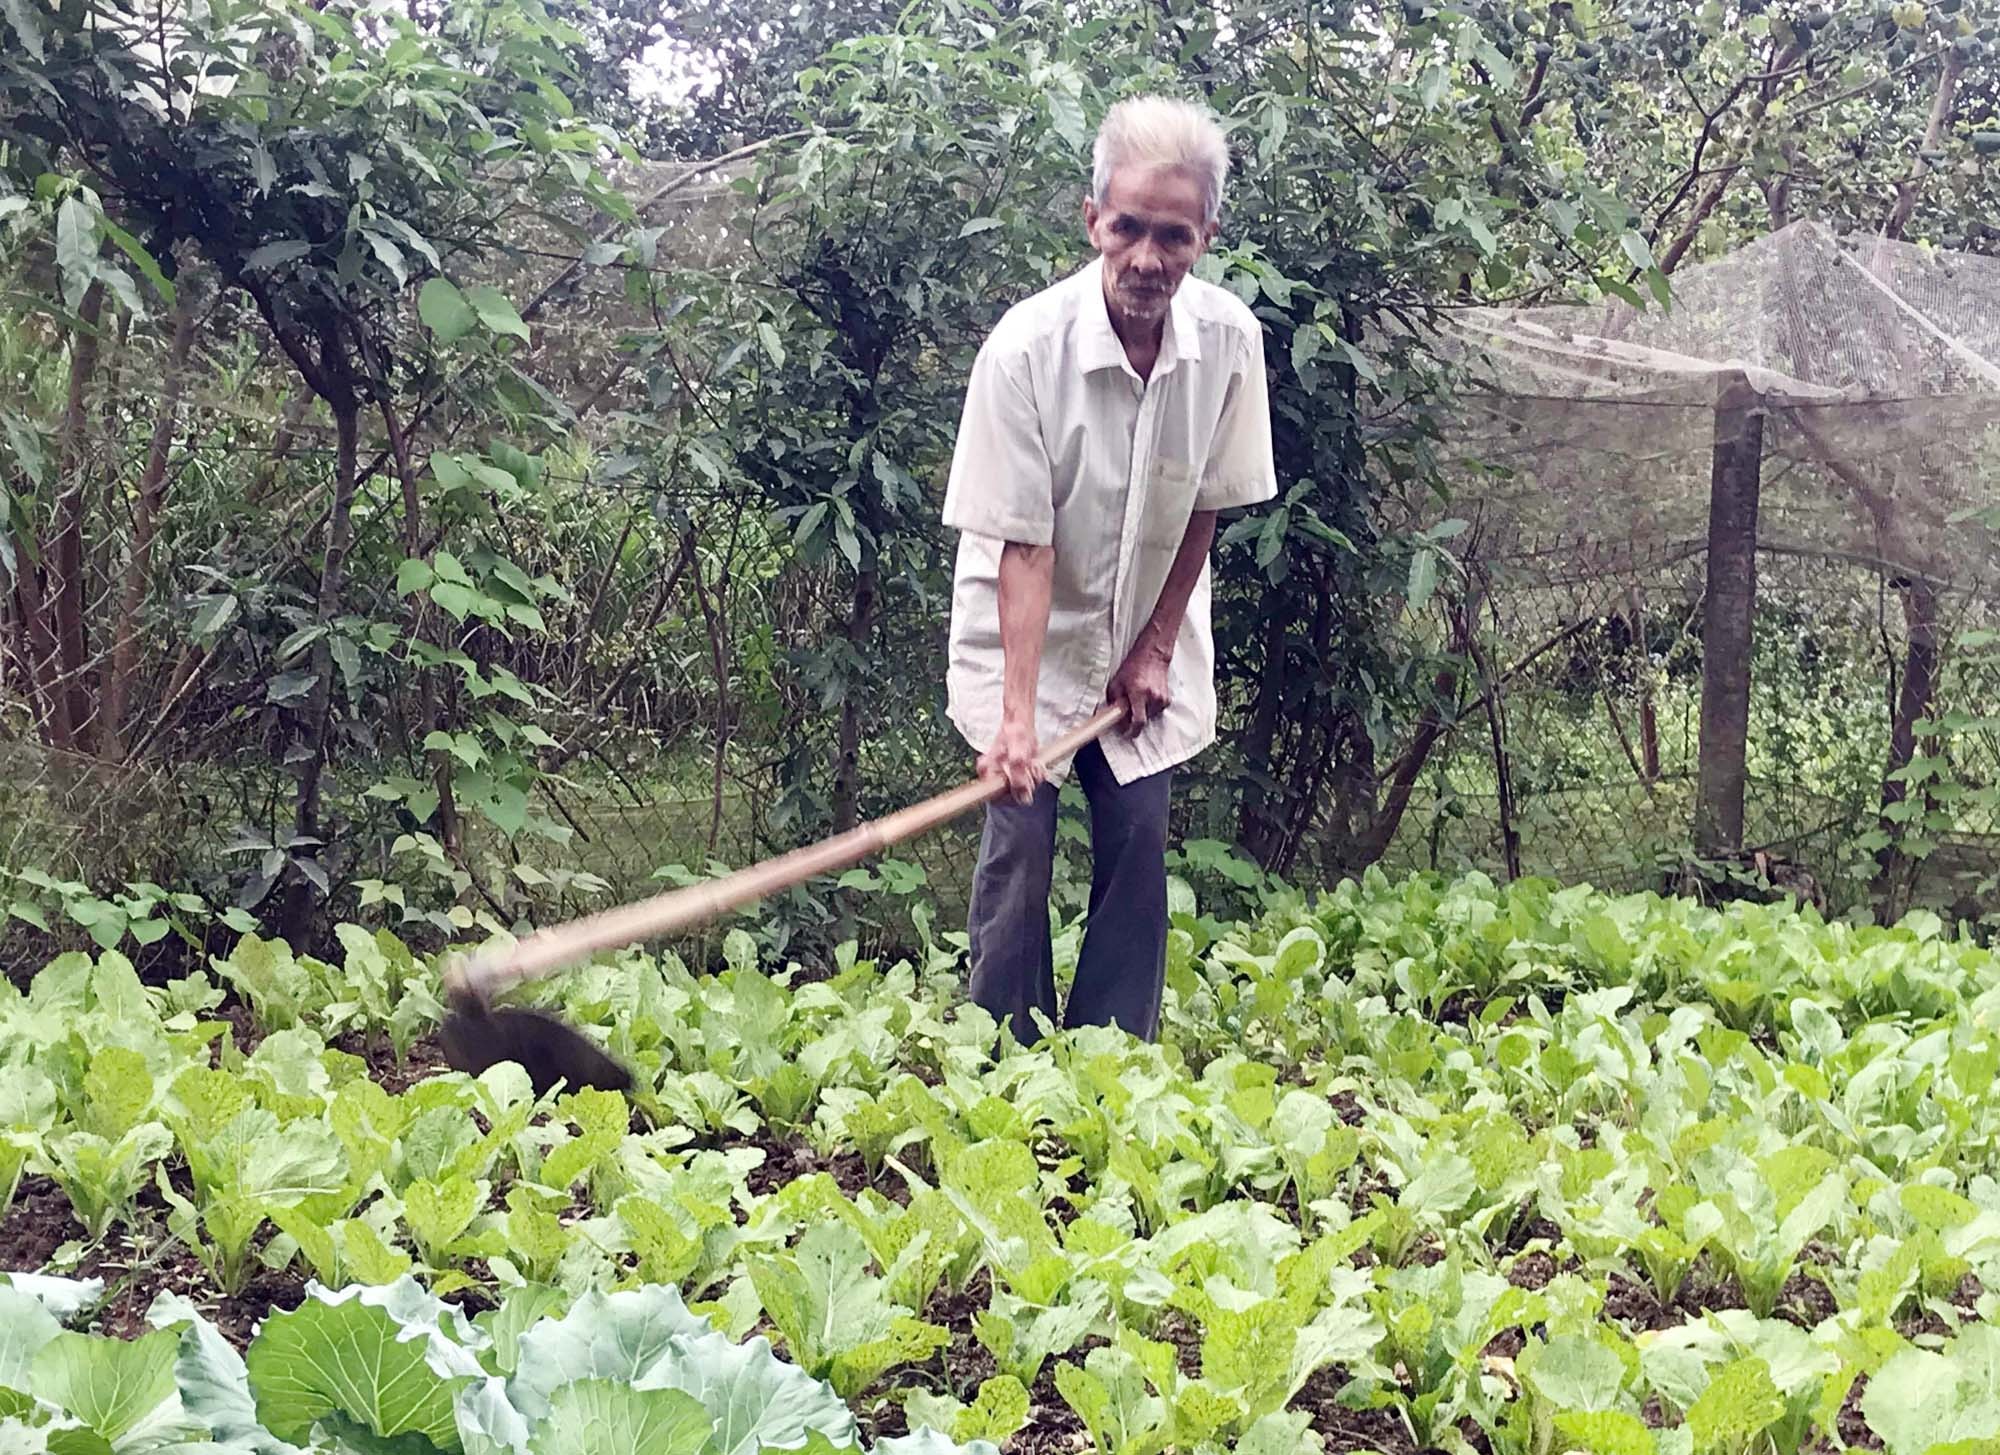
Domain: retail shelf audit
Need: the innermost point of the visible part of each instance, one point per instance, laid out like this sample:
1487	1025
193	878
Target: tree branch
1911	186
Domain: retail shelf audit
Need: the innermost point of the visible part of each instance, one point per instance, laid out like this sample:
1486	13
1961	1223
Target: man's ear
1209	233
1089	217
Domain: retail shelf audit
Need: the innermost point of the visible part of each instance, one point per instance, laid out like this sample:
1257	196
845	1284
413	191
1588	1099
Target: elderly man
1107	420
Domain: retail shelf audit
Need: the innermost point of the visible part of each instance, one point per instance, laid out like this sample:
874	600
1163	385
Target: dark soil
1532	1271
1635	1305
1053	1427
426	1058
1186	1339
1806	1300
786	1160
243	1027
1348	1108
1505	1344
1853	1428
1345	1429
131	1285
36	1225
134	1272
1530	1230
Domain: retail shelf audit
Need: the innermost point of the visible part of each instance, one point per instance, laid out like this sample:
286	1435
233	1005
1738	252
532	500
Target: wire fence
1598	652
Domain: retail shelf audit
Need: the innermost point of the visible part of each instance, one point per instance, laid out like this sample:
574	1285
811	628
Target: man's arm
1027	576
1141	680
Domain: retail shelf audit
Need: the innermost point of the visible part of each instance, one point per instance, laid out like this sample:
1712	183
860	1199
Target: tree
322	163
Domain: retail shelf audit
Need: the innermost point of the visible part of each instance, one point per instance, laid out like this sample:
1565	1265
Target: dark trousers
1122	965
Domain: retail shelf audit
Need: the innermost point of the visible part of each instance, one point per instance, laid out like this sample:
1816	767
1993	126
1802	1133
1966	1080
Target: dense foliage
1420	1165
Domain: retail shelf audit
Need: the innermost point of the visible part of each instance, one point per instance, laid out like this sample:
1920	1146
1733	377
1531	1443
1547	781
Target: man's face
1150	230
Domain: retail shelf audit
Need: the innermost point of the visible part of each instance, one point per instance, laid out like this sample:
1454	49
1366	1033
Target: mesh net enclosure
1860	379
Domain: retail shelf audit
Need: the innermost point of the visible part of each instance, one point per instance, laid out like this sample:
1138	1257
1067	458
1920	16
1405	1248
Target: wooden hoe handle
490	971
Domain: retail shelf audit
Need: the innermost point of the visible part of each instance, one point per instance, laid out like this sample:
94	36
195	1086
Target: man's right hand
1014	756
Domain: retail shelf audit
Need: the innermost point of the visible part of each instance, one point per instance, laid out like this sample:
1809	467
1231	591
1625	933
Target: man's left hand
1140	685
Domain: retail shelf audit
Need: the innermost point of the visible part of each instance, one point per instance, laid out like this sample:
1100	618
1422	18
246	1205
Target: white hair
1162	131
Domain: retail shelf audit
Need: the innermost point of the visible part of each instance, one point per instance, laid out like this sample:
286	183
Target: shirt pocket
1170	492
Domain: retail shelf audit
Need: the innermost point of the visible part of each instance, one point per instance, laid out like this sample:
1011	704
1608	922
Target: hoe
478	1034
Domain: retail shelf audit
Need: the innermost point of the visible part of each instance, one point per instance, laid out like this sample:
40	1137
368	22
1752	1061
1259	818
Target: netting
1867	374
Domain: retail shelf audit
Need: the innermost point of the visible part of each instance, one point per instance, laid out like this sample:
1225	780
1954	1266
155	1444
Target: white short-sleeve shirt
1061	443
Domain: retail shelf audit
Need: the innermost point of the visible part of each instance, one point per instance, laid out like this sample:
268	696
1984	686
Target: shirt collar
1097	342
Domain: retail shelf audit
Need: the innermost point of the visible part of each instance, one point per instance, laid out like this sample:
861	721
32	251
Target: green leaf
21	16
1575	1372
274	254
389	255
76	248
53	1436
143	260
117	1091
370	1260
1423	579
1937	1207
439	1212
26	1328
979	225
774	347
383	1357
495	311
413	575
646	1336
109	1384
999	1412
1271	539
459	600
1066	116
821	1296
1432	85
610	1417
289	686
1741	1401
1918	1399
214	1385
1606	1432
216	613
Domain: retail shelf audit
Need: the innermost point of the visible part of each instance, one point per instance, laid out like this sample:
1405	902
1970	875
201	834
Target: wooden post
1735	479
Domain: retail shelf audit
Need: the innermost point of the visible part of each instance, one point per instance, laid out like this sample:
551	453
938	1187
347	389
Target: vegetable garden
465	464
1419	1164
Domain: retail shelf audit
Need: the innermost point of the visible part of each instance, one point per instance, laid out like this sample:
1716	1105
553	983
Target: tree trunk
298	904
1913	704
1355	801
64	602
847	769
41	660
1735	480
145	520
1257	824
429	712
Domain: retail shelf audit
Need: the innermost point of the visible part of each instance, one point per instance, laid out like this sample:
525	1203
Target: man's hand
1140	684
1014	756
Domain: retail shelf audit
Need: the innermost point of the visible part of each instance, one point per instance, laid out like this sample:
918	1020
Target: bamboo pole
484	975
